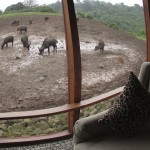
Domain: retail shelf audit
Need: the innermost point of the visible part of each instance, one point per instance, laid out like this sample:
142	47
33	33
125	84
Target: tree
57	7
87	5
1	12
15	7
30	3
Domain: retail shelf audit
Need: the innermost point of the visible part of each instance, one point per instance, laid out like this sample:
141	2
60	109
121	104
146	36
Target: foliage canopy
119	16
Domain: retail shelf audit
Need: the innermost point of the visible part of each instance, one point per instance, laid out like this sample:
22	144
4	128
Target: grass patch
141	38
3	16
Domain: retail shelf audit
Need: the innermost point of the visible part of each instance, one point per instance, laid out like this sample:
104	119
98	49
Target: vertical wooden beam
146	5
74	58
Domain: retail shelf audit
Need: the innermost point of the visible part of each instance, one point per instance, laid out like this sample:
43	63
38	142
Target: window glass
112	42
31	77
33	126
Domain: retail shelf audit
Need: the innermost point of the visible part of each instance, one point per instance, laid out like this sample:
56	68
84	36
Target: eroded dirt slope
29	81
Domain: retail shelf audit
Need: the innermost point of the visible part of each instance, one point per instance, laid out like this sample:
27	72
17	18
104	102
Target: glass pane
112	41
97	108
28	80
33	126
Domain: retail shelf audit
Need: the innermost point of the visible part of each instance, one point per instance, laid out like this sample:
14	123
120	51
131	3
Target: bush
32	9
44	9
114	26
82	15
89	16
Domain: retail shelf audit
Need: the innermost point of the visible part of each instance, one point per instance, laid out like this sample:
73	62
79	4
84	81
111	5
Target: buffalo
8	39
22	28
47	43
100	46
25	41
15	23
46	18
30	22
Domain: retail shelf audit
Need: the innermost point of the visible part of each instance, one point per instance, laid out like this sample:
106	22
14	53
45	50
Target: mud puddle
25	57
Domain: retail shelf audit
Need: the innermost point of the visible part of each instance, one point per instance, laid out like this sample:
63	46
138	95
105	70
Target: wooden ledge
34	139
60	109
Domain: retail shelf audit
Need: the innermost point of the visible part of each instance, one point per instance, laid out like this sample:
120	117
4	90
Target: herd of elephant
47	43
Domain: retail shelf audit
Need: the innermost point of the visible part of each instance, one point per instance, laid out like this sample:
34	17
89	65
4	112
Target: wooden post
74	58
146	5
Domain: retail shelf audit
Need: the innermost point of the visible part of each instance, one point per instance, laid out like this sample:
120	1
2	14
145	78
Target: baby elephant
22	28
25	42
8	39
100	46
46	44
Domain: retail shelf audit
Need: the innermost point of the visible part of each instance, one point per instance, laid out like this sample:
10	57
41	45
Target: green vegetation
28	6
35	9
118	16
25	14
46	125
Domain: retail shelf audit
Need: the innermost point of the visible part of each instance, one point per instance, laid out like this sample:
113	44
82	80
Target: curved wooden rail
61	109
52	111
33	140
73	59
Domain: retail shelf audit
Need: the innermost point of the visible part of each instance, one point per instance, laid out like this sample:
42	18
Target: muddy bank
29	81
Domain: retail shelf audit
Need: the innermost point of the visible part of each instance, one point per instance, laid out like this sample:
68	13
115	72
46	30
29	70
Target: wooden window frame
74	82
146	6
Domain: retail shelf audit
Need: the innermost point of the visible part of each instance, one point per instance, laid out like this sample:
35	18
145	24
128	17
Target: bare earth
29	81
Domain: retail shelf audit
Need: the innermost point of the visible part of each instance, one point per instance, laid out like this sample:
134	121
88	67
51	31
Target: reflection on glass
31	75
33	126
112	42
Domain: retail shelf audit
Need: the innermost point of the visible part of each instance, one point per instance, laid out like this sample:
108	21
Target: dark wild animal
25	42
30	22
46	18
22	28
46	44
8	39
15	23
100	46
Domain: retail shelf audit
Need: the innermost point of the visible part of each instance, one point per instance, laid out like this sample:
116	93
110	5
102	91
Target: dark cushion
130	111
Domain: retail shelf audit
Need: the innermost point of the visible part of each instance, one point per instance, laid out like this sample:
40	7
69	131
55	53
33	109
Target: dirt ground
29	81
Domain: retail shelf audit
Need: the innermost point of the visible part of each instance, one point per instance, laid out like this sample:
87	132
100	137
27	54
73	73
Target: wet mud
29	81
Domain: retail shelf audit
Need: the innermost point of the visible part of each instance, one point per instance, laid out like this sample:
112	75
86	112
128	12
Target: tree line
119	16
27	6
